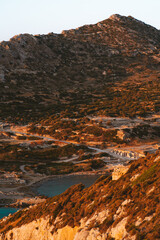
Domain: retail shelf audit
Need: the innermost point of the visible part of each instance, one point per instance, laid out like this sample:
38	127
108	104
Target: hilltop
107	67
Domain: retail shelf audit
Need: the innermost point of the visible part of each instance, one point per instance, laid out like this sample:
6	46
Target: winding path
22	168
110	151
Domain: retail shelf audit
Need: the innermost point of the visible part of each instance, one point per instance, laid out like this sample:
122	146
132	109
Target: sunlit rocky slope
127	208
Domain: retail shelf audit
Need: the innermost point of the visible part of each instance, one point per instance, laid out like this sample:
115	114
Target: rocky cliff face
42	230
124	209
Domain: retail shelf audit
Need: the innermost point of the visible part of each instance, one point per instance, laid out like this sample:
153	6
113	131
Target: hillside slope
92	64
124	209
62	84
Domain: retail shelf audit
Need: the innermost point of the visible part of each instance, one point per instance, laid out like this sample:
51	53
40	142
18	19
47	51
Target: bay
55	186
58	185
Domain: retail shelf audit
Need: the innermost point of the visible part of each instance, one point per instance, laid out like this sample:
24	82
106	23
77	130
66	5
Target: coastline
29	190
48	178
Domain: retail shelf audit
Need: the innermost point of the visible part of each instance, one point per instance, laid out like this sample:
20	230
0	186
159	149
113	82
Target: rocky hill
127	208
95	63
79	86
125	34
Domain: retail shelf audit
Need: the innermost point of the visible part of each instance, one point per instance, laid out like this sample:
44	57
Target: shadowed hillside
107	67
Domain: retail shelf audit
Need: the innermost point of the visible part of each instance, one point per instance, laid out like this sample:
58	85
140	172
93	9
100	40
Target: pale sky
44	16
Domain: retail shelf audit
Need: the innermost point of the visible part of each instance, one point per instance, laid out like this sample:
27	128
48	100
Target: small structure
119	171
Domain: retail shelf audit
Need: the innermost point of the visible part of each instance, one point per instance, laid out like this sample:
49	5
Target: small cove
55	186
58	185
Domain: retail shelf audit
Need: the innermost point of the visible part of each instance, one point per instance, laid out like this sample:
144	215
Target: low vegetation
76	202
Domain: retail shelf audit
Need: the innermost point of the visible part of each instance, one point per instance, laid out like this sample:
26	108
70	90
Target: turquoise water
6	211
58	185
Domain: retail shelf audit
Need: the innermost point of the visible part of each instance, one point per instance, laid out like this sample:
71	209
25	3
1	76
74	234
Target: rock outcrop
119	171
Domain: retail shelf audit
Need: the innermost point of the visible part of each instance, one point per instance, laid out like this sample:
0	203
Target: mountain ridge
122	21
47	69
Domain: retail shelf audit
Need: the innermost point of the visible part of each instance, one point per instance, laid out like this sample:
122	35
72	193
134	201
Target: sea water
58	185
6	211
